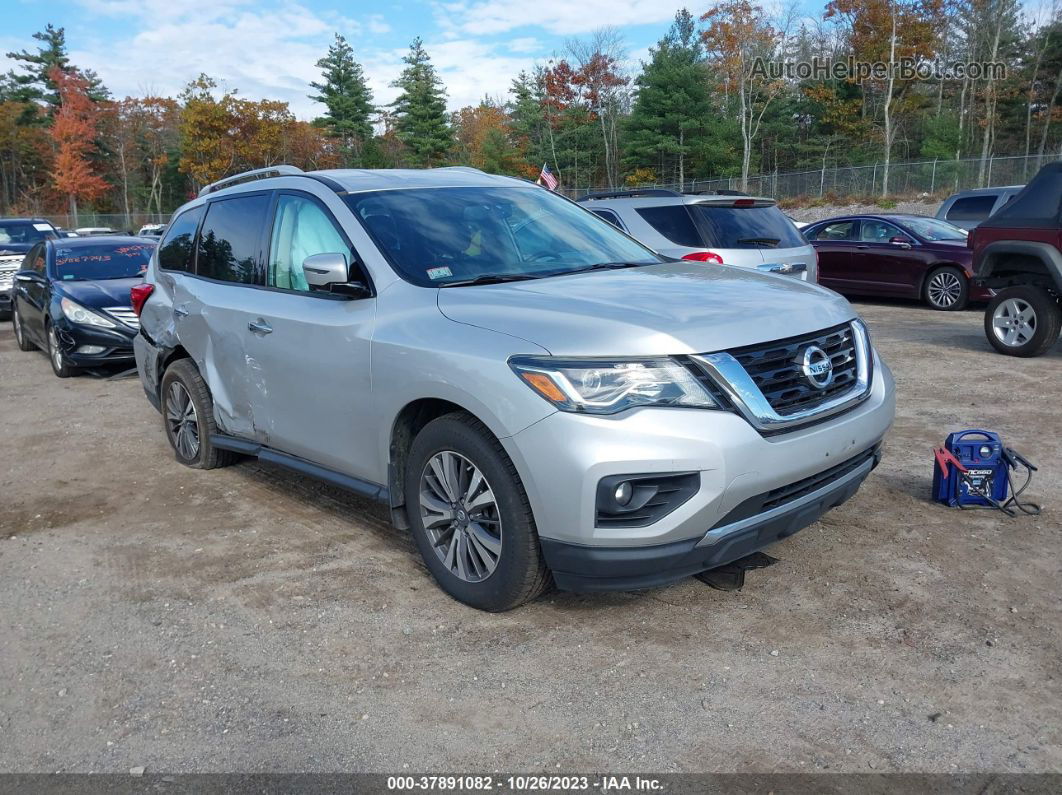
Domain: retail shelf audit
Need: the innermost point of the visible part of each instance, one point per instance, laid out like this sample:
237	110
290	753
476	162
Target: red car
906	256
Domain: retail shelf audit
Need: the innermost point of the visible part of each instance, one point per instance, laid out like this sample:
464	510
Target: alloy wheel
460	515
1014	322
17	321
944	289
183	421
53	348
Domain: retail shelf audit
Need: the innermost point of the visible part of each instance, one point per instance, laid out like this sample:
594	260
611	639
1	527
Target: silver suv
722	228
536	396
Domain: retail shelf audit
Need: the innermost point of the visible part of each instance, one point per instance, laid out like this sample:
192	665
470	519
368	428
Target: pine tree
348	100
420	110
35	82
673	103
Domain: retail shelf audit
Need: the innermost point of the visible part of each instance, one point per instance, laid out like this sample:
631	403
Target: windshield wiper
767	241
602	266
493	278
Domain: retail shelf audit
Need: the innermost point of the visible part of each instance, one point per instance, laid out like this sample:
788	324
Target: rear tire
188	418
21	338
1023	321
470	516
946	289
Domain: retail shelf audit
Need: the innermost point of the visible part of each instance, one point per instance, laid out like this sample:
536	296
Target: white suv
722	228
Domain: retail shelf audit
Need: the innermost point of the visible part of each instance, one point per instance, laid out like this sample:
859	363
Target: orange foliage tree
74	130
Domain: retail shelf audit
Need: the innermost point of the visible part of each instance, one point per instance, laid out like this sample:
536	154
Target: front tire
1023	321
21	339
188	417
60	366
470	516
947	289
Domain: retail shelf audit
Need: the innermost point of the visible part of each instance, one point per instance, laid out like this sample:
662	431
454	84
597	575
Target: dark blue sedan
71	299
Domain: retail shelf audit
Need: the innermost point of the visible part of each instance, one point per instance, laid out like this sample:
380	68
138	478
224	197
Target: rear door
836	242
213	310
310	355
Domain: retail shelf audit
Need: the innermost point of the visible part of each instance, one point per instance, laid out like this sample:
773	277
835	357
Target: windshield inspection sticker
439	273
43	227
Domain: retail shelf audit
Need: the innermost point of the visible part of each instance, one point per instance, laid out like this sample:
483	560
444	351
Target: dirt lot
248	619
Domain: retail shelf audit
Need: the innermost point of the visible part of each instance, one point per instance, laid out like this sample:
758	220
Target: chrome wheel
17	322
53	349
944	289
460	516
182	421
1014	322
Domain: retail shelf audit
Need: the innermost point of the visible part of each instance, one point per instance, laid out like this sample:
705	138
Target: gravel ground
812	214
248	619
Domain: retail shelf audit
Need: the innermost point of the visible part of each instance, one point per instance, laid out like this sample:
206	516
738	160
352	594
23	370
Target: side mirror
27	276
324	270
900	241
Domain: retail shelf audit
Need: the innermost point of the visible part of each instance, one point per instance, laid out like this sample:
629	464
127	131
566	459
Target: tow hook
731	577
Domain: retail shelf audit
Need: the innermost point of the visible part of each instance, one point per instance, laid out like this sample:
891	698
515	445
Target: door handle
260	327
180	311
862	247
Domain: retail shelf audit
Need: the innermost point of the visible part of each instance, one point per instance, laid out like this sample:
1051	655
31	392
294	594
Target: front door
310	352
886	267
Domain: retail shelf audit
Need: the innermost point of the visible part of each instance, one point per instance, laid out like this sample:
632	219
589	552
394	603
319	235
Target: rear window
230	240
972	208
175	250
745	227
674	223
123	261
26	232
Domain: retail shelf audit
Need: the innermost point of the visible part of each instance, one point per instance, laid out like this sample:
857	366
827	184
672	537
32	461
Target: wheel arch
1009	263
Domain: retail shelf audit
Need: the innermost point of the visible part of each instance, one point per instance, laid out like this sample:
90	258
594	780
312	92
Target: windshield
438	236
25	232
84	263
932	229
745	227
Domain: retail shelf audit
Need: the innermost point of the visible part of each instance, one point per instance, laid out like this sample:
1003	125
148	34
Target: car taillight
704	256
138	295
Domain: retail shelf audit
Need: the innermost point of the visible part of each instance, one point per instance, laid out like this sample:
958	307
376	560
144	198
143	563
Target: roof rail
629	194
249	176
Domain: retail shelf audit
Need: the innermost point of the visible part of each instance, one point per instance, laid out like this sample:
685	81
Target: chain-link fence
119	222
932	177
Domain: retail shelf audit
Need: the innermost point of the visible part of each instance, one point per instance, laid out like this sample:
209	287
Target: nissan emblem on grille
817	367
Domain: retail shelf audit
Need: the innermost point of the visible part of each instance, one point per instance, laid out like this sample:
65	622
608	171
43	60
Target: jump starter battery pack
981	453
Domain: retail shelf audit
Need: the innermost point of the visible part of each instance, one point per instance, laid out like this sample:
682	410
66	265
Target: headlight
609	386
76	313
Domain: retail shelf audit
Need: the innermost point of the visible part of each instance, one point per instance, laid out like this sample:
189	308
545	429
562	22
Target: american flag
546	178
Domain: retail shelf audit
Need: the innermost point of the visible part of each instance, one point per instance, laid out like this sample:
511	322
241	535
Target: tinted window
25	232
878	232
104	261
932	229
971	208
301	228
230	239
433	236
674	223
175	250
746	227
838	230
609	216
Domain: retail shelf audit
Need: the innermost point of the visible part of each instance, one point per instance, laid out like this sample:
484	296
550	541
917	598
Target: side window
879	232
609	216
301	228
839	230
175	250
972	208
674	223
30	258
230	240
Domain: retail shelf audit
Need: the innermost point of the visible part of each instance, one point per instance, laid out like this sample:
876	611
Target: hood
99	294
15	248
672	308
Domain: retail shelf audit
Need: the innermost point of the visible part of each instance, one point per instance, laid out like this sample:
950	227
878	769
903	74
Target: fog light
624	492
91	349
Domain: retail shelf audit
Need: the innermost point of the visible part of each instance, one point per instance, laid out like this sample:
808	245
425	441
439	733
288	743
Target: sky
268	49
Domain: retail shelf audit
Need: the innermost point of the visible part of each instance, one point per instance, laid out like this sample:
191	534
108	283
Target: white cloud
563	17
525	44
378	25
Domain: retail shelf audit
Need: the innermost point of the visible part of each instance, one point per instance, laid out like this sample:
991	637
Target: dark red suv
1017	253
903	256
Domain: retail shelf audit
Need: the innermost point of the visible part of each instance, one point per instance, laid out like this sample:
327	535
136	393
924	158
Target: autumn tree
739	40
420	109
603	90
74	130
35	82
347	99
482	139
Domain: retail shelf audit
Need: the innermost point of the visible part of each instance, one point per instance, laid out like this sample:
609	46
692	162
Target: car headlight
602	386
76	313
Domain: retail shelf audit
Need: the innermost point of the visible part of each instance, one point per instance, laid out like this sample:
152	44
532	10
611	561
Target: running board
365	488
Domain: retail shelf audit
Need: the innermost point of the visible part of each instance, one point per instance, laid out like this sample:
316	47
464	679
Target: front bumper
562	458
117	344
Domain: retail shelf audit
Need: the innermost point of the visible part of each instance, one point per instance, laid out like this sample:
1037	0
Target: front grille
124	314
7	274
776	368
